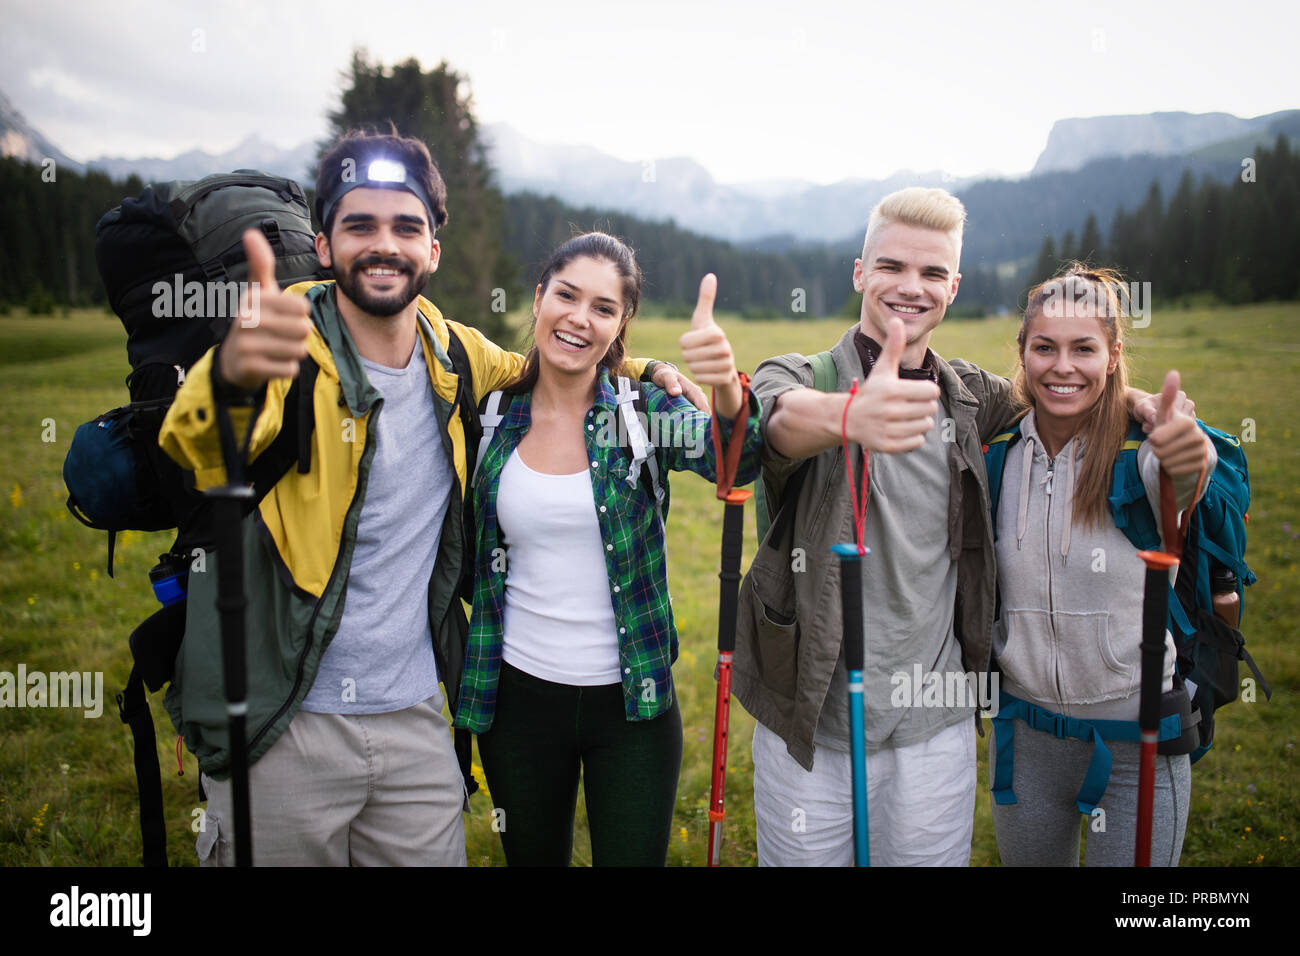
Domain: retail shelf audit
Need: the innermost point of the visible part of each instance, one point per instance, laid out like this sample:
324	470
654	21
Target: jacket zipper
1051	603
329	586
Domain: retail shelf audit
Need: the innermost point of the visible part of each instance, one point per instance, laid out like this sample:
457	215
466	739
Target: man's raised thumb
702	318
891	350
261	261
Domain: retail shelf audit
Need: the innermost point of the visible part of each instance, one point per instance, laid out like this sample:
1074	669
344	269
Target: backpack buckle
214	270
271	229
1055	724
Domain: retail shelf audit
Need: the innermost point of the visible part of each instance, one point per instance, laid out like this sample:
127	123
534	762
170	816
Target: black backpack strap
293	443
154	645
133	708
1254	669
462	739
465	398
789	505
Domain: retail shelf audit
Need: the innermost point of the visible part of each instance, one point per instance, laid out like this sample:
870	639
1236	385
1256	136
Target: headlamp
381	174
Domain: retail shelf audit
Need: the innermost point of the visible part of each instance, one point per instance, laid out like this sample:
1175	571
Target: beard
350	282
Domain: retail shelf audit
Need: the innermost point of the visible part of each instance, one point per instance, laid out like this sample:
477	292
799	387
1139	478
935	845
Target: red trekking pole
733	521
1155	613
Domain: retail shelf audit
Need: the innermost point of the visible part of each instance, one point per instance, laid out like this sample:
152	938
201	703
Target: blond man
928	584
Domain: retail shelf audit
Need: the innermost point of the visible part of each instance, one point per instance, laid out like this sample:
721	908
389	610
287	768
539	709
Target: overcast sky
833	90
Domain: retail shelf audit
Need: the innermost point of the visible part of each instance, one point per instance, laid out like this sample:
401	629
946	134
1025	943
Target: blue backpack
1209	648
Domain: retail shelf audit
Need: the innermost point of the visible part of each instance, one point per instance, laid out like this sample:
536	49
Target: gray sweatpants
1042	827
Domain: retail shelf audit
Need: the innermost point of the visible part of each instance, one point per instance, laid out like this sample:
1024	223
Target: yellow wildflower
16	496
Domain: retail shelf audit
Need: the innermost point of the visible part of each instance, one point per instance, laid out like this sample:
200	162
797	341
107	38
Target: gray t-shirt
908	598
381	660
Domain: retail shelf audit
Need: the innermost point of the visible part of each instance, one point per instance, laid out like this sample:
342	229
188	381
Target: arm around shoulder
998	408
686	444
491	366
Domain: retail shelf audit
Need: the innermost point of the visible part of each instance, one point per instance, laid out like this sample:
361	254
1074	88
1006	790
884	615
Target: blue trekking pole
850	556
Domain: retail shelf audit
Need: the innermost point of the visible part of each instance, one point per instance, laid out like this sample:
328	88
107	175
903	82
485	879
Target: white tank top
559	617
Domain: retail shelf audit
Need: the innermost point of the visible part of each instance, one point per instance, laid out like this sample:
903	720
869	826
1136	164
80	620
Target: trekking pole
1155	611
733	526
850	556
229	504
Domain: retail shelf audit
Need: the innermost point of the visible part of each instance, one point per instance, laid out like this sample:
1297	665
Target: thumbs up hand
269	337
891	414
1147	408
1179	444
708	353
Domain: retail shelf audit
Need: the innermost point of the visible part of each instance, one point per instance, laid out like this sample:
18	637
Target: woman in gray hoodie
1071	588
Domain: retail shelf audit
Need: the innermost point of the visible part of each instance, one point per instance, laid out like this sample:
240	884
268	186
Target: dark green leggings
543	735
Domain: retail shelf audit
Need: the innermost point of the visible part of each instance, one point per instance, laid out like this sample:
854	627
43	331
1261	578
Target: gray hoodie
1070	627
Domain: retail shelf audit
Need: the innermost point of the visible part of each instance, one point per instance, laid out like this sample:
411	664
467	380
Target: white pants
920	803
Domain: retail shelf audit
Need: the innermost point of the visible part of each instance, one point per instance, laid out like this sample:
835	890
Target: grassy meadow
67	786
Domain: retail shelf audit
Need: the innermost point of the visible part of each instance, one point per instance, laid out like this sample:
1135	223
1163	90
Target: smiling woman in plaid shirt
572	640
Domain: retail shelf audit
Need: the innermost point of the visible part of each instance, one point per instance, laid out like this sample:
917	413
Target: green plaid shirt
638	573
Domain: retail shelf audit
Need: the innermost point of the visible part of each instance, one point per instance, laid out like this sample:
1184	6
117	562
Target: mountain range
1089	165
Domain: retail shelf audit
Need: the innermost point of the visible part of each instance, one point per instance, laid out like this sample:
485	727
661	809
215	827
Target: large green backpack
825	379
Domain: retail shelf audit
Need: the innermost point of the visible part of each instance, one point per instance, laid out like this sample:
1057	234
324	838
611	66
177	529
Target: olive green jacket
789	629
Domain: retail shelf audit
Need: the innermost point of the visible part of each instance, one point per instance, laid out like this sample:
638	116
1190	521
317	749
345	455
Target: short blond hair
935	209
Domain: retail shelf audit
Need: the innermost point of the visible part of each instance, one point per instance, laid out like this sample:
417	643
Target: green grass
59	610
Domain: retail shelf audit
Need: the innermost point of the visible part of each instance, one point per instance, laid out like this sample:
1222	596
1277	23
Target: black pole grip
232	603
733	531
1155	610
851	605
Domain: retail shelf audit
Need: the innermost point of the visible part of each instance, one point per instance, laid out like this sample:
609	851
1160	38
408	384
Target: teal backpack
1213	560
